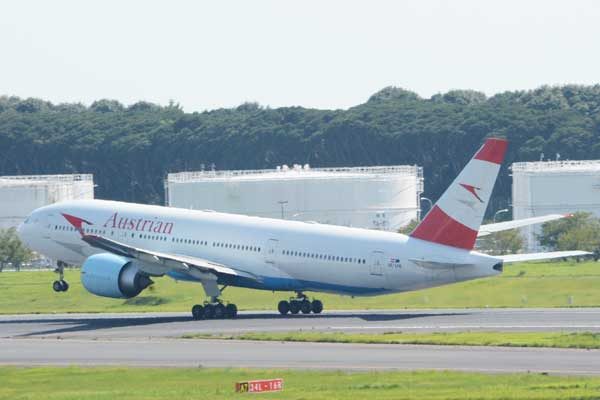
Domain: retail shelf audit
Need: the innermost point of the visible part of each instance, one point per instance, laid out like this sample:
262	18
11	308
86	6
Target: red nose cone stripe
439	227
493	150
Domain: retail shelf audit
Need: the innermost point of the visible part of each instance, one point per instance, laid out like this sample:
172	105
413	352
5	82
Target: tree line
130	149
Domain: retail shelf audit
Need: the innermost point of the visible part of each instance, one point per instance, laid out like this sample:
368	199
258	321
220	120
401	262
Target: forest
130	149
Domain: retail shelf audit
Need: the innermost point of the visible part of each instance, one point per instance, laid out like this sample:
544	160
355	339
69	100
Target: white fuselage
286	255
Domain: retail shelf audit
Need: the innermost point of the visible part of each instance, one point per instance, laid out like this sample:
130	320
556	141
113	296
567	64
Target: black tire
57	286
294	306
283	307
65	286
198	311
209	311
317	306
219	311
305	307
230	311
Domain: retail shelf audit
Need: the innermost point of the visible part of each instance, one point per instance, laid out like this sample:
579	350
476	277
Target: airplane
121	247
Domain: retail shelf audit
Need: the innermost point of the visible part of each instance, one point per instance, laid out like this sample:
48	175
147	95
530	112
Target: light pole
430	205
504	210
282	203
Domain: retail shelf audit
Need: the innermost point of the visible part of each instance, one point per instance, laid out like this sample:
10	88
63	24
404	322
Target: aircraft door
271	251
45	223
377	263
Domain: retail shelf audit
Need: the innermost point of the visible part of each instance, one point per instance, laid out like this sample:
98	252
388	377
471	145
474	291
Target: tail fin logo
473	190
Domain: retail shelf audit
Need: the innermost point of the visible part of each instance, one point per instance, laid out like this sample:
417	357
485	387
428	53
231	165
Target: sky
325	54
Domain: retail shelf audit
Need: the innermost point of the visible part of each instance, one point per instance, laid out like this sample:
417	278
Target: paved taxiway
151	340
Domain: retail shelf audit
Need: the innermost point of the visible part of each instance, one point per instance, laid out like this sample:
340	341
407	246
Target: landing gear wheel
230	311
198	312
64	285
209	311
305	307
294	307
317	306
283	307
57	286
219	311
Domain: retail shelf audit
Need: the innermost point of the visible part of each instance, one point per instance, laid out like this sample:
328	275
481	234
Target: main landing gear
214	309
300	304
60	285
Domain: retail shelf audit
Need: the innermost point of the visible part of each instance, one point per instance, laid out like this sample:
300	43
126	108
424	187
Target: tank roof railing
558	166
200	175
53	178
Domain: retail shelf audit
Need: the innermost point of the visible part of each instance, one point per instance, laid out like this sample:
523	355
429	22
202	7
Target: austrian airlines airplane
121	246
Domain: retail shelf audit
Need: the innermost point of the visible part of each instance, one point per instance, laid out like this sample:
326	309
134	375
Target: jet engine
109	275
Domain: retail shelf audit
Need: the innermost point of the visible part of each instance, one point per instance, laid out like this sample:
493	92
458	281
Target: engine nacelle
109	275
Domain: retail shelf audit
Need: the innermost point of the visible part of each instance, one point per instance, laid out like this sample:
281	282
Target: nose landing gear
300	304
60	285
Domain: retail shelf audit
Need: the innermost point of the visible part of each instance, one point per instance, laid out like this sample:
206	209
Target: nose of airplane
21	232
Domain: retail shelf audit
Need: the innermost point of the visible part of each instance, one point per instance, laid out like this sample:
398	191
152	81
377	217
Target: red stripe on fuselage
439	227
76	222
493	151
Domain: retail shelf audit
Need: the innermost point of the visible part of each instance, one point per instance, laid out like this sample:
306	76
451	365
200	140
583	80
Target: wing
156	263
488	229
511	258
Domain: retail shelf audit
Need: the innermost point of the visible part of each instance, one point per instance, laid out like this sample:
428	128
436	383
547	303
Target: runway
217	353
153	340
161	325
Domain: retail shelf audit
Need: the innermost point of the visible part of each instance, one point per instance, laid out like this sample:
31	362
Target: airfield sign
267	385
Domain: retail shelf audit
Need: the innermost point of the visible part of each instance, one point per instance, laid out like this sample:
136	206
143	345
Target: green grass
560	284
54	383
582	340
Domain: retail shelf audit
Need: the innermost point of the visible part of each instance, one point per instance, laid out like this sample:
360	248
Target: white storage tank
20	195
384	198
554	187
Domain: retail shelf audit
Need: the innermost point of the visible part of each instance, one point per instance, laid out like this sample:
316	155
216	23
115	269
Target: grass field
47	383
583	340
559	284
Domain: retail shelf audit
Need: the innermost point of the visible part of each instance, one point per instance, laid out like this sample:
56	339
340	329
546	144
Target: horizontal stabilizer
511	258
517	223
430	264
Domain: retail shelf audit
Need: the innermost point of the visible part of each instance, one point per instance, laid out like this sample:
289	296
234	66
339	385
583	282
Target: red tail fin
455	219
